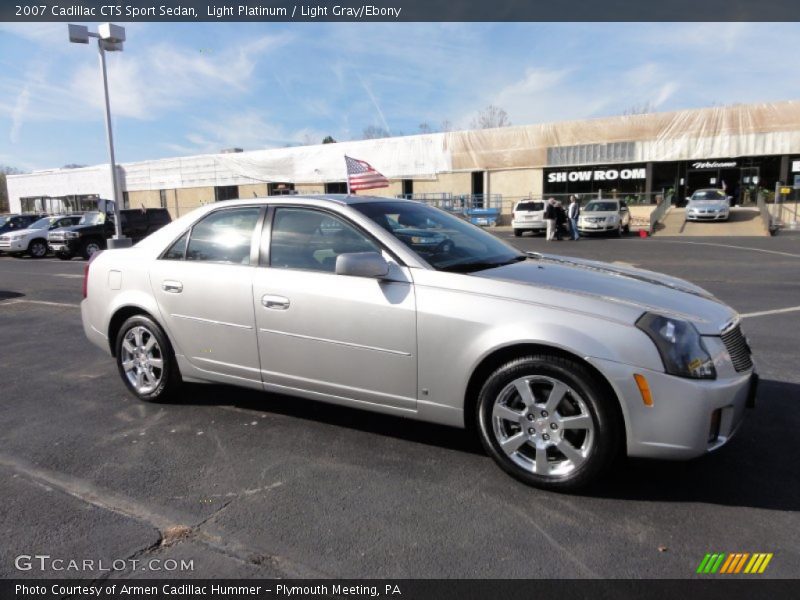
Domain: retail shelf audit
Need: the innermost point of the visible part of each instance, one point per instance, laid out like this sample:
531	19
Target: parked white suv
528	216
33	240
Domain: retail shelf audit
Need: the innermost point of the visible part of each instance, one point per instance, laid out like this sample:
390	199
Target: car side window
178	249
312	240
224	236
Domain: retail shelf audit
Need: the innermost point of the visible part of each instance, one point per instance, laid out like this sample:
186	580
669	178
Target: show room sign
597	175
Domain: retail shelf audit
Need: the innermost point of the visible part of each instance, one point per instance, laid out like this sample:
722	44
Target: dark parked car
16	222
90	234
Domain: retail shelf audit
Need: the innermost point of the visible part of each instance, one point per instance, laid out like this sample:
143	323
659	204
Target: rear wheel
548	421
518	233
37	249
627	229
145	360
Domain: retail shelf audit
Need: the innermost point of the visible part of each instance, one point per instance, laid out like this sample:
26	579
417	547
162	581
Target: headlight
680	346
71	235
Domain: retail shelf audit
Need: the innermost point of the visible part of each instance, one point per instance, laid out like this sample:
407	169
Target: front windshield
43	223
601	207
444	241
708	195
92	218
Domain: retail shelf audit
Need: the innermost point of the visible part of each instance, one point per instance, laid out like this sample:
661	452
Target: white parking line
729	246
43	302
777	311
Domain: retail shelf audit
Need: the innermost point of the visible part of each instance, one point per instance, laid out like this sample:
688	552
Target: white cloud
250	130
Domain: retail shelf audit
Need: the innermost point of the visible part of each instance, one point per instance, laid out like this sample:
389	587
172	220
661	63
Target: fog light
644	389
713	431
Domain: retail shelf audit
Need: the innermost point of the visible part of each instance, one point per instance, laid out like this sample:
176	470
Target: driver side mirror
362	264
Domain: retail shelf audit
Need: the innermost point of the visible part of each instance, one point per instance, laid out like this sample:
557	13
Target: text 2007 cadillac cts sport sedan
559	364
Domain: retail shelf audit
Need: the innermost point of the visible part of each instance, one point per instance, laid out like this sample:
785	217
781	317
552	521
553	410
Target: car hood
637	288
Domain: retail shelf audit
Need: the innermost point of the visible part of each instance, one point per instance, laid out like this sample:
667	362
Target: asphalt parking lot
254	485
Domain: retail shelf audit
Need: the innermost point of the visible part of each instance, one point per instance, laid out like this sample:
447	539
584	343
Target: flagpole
347	173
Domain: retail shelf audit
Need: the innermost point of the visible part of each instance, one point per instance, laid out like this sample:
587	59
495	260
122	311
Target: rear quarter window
530	206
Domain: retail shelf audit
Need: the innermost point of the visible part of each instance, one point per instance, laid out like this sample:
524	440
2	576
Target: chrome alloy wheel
92	248
142	359
543	425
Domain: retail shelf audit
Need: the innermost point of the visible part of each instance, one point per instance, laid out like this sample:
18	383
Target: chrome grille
56	236
739	351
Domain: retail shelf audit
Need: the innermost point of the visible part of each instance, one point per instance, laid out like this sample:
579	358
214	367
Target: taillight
86	274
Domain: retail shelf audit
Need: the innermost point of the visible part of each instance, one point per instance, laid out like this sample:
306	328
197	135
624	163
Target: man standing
550	218
573	212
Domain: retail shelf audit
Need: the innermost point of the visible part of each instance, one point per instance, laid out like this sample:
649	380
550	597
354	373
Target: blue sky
181	89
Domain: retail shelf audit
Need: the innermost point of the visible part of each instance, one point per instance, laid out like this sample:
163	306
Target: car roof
341	199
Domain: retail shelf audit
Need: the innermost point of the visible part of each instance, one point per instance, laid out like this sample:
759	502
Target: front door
204	288
352	338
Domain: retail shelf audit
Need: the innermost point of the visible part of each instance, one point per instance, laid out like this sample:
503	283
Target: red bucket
643	233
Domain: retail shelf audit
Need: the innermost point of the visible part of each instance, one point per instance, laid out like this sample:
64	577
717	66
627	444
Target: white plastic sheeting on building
718	132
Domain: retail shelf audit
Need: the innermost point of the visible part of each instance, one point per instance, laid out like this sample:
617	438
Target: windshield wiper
469	267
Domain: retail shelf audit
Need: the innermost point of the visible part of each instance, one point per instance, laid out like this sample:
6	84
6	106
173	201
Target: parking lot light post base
119	242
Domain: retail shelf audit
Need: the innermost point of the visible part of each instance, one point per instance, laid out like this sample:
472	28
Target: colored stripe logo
734	563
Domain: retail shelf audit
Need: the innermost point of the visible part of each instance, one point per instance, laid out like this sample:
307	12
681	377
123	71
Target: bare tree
490	117
5	170
446	126
639	109
425	127
373	132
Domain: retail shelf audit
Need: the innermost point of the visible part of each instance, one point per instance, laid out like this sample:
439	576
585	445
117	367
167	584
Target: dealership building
745	149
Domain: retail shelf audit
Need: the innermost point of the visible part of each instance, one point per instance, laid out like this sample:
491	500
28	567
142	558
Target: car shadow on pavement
8	295
757	468
331	414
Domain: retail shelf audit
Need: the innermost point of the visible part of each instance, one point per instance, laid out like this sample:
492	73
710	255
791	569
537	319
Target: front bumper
597	227
707	216
12	246
681	422
63	247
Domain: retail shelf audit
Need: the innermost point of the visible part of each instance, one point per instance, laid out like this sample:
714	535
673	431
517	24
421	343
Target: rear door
204	288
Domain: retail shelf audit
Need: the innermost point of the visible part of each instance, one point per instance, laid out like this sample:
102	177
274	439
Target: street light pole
110	137
109	37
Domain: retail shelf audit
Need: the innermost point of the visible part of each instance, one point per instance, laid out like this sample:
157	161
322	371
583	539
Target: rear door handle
173	287
275	302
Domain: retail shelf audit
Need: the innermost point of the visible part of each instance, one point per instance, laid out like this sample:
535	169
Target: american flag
361	175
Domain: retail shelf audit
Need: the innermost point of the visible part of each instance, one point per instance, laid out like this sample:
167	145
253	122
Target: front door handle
275	302
173	287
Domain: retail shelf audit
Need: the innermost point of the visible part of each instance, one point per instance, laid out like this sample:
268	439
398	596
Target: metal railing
457	202
660	211
784	208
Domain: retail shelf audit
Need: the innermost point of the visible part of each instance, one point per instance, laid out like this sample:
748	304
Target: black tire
37	249
627	229
169	380
91	247
585	397
64	256
518	233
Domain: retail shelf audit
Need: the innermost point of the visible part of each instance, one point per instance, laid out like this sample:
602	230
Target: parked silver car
558	364
708	205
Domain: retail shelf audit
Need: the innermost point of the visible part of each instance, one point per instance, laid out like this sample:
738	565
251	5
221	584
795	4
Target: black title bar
401	10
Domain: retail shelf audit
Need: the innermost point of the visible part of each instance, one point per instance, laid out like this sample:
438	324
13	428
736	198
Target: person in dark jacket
550	218
561	221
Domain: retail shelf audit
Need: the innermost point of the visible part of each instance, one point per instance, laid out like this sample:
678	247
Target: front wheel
547	421
145	360
518	233
37	249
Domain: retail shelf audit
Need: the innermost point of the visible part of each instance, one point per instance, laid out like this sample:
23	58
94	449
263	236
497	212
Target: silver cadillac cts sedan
559	365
